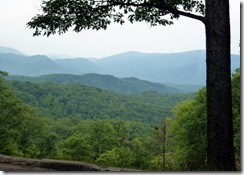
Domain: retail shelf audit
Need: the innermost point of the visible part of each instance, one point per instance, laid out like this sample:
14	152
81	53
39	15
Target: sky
184	35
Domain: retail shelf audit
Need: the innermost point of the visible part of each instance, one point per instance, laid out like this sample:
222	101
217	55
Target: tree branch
161	6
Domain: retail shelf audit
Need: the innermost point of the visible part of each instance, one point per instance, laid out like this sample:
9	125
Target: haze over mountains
10	50
186	68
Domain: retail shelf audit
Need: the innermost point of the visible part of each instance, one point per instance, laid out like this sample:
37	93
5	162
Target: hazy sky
186	34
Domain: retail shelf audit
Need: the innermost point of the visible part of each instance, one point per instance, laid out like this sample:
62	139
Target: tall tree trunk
220	149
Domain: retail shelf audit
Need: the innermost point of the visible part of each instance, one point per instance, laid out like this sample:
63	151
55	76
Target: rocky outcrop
10	163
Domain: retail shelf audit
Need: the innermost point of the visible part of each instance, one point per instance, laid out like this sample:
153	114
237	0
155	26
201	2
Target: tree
187	129
118	157
3	73
76	147
103	137
236	114
188	133
23	132
159	145
12	113
59	15
36	137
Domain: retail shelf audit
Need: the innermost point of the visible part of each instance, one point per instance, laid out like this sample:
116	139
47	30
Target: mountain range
187	68
108	82
10	50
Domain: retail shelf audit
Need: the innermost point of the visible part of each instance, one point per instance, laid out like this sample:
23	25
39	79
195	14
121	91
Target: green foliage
103	137
58	15
36	139
164	100
106	142
108	139
188	130
12	113
117	157
76	147
188	135
3	73
22	131
133	155
111	157
236	113
58	100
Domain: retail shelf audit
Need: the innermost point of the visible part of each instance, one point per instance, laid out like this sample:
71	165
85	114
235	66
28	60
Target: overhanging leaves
59	15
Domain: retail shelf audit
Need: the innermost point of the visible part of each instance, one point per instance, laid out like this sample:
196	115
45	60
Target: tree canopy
59	15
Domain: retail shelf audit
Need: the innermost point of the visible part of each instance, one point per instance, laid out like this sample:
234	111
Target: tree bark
220	149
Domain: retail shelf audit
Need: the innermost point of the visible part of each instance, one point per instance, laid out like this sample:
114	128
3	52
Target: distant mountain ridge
108	82
10	50
28	65
187	68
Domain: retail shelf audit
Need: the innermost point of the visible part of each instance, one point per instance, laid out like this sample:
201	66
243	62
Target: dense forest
108	82
148	130
62	100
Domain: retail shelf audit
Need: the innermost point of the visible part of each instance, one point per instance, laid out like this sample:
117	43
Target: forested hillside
61	100
148	131
108	82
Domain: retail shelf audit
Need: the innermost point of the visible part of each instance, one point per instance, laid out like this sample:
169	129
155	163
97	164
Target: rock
10	163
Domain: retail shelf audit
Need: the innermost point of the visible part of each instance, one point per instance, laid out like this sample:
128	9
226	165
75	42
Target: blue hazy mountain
175	68
187	68
78	65
42	65
28	65
10	50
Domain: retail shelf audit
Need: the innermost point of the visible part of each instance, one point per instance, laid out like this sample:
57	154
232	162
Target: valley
130	110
